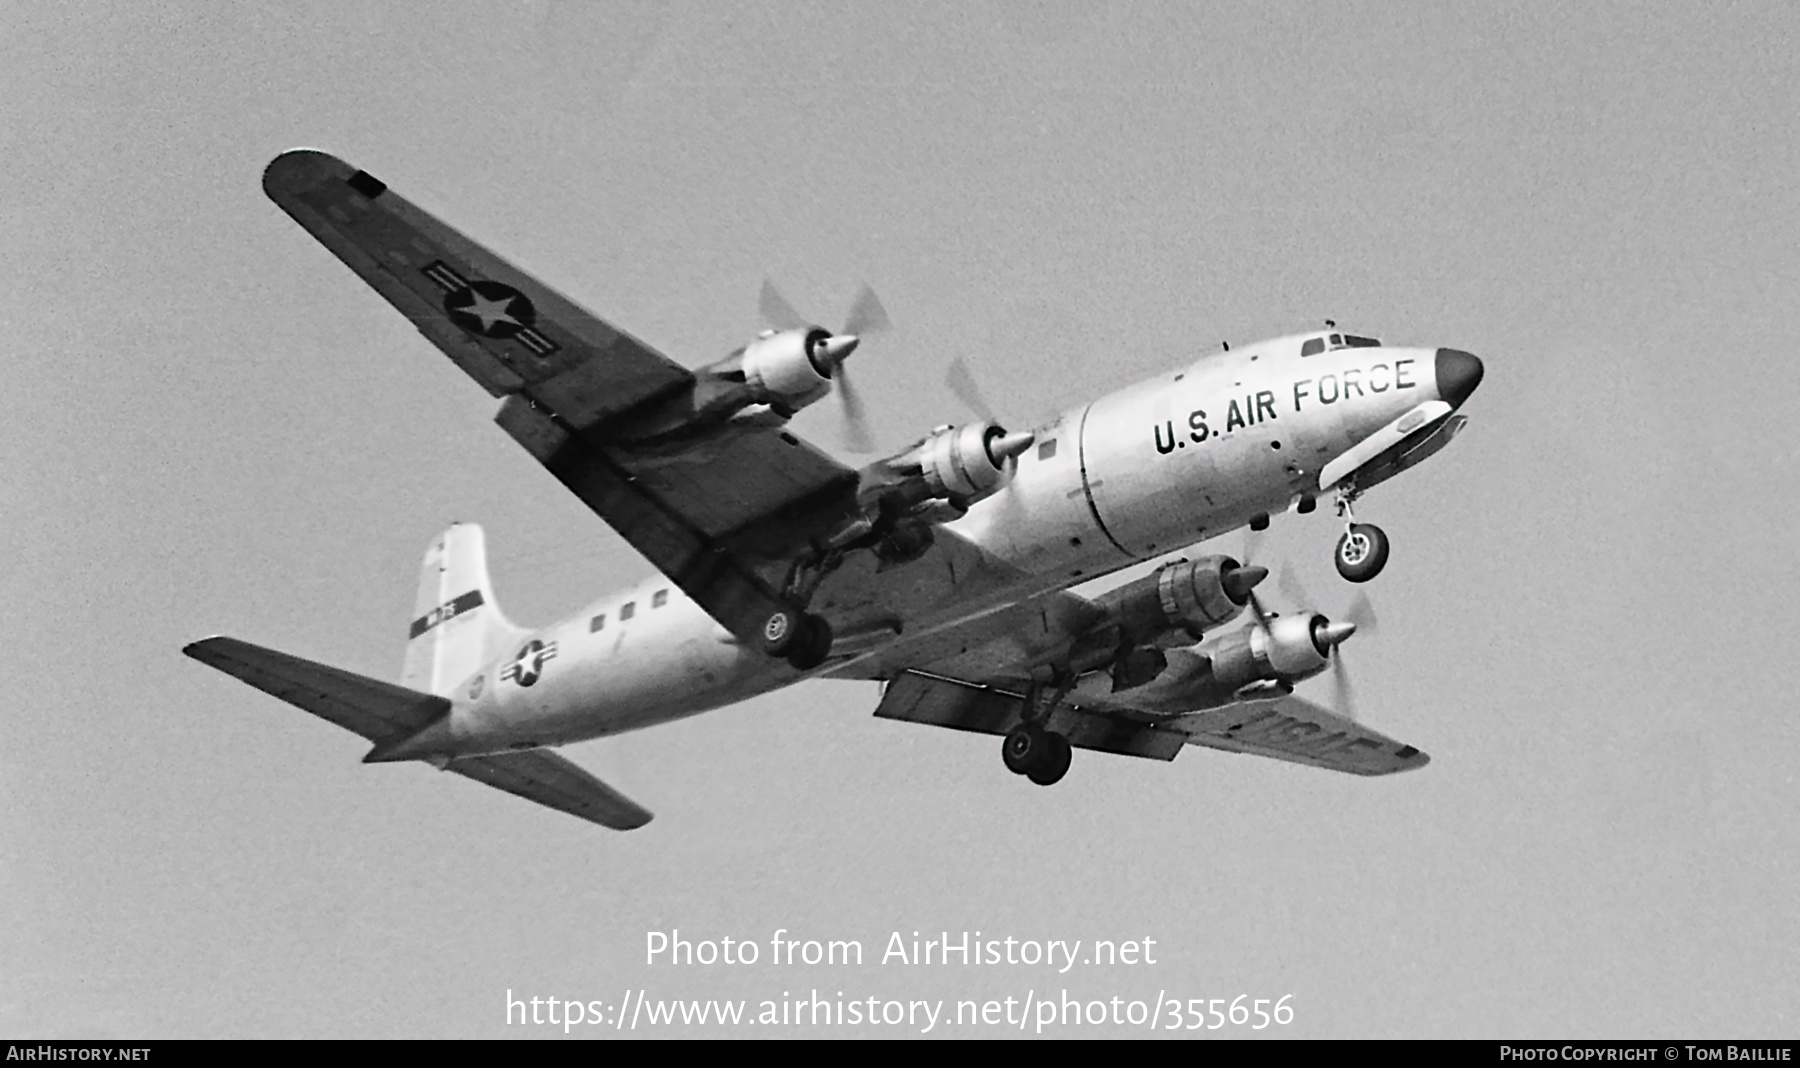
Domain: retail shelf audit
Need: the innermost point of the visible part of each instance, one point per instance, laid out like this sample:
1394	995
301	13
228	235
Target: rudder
456	627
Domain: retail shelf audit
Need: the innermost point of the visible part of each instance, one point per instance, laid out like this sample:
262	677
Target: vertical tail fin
456	628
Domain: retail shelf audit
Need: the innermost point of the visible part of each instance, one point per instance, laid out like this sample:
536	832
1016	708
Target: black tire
815	645
1022	746
1361	553
1055	762
782	632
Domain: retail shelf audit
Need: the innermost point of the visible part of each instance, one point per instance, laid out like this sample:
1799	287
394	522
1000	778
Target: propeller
1253	540
1358	618
962	383
867	318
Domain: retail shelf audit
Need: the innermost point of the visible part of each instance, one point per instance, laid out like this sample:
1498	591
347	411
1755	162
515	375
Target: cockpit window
1361	342
1313	346
1337	341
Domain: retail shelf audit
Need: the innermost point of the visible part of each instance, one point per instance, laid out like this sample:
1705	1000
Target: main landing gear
1362	551
1033	750
802	639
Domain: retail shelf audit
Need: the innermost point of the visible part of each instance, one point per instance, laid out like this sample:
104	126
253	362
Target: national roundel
491	309
527	667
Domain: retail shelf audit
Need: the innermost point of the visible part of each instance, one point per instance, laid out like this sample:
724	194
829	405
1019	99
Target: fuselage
1148	469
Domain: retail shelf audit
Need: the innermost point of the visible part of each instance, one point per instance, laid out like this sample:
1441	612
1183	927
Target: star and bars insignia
489	309
528	666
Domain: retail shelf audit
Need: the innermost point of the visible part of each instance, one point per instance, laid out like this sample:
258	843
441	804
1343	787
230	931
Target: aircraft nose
1458	373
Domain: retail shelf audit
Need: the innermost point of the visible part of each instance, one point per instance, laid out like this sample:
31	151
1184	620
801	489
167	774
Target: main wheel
1055	762
782	632
814	645
1022	748
1362	552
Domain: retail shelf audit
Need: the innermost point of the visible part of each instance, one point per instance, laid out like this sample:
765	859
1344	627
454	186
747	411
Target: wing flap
964	706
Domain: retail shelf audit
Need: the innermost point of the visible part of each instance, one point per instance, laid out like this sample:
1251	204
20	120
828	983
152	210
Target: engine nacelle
788	369
1289	649
1183	599
962	464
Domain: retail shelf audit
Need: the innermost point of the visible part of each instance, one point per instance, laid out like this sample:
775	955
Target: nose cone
838	346
1238	582
1458	373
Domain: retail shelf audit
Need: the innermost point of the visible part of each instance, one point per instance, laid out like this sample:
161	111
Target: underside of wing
1287	728
967	706
381	712
506	329
715	504
1294	729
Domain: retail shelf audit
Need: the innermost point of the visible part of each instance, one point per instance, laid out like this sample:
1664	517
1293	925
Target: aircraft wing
707	510
1285	728
381	710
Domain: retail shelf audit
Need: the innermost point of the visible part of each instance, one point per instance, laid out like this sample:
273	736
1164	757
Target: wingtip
300	168
195	648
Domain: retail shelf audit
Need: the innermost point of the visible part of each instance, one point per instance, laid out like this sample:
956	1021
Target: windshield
1312	346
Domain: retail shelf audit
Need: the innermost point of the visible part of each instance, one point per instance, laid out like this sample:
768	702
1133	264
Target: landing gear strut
1033	750
1362	551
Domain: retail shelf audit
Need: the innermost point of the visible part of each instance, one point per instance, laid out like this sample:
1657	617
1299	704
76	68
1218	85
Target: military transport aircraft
943	570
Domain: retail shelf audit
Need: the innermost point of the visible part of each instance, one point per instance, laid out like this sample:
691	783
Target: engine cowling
1184	599
1287	649
962	464
790	368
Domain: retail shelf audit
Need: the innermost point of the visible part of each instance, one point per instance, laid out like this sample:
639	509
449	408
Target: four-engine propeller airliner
943	570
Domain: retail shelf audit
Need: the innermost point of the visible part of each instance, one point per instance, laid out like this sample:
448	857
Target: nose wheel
1362	550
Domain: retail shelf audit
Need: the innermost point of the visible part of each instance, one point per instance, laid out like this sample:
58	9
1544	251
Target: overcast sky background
211	426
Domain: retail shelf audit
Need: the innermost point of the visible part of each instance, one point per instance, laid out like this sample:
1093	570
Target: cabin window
1313	346
1047	451
628	611
660	598
597	622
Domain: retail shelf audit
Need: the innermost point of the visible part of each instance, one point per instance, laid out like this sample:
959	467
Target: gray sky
213	427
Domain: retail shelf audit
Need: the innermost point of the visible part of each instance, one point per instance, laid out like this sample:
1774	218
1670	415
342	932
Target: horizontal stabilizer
374	709
558	782
381	711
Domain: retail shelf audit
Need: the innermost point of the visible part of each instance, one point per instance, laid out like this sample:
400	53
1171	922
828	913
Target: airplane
943	571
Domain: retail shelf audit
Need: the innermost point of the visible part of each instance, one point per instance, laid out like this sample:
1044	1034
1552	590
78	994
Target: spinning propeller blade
962	383
1358	617
867	318
776	311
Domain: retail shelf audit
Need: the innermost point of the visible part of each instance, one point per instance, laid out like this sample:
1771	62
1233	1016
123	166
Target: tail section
456	628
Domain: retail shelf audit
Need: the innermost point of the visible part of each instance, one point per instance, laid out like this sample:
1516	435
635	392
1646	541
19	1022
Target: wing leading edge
380	711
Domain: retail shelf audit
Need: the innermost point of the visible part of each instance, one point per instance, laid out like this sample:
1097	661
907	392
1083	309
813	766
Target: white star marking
490	311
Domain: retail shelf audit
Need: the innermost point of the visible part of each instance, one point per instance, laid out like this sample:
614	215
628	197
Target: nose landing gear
1362	551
